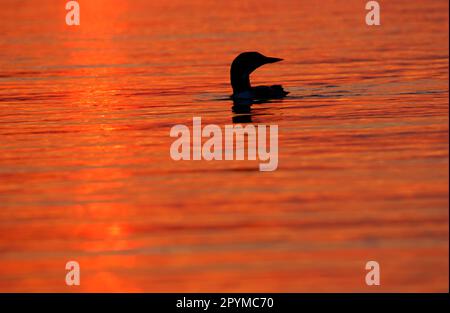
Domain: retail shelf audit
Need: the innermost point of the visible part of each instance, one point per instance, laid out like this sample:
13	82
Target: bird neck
240	82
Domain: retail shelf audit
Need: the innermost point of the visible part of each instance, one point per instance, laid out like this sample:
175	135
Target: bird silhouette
241	68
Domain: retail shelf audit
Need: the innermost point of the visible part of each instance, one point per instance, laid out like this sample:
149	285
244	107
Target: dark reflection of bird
241	68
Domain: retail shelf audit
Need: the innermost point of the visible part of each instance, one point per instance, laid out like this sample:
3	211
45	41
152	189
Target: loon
241	68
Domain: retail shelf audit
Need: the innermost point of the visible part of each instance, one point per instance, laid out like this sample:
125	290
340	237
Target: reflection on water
86	173
242	118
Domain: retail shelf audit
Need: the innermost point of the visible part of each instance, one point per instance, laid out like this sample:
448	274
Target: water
86	175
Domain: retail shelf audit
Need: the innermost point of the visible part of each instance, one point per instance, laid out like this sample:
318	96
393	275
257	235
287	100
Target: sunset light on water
86	172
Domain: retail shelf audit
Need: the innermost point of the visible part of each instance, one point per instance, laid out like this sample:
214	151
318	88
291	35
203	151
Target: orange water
86	175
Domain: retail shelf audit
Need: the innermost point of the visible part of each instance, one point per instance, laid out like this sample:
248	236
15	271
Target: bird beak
272	60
